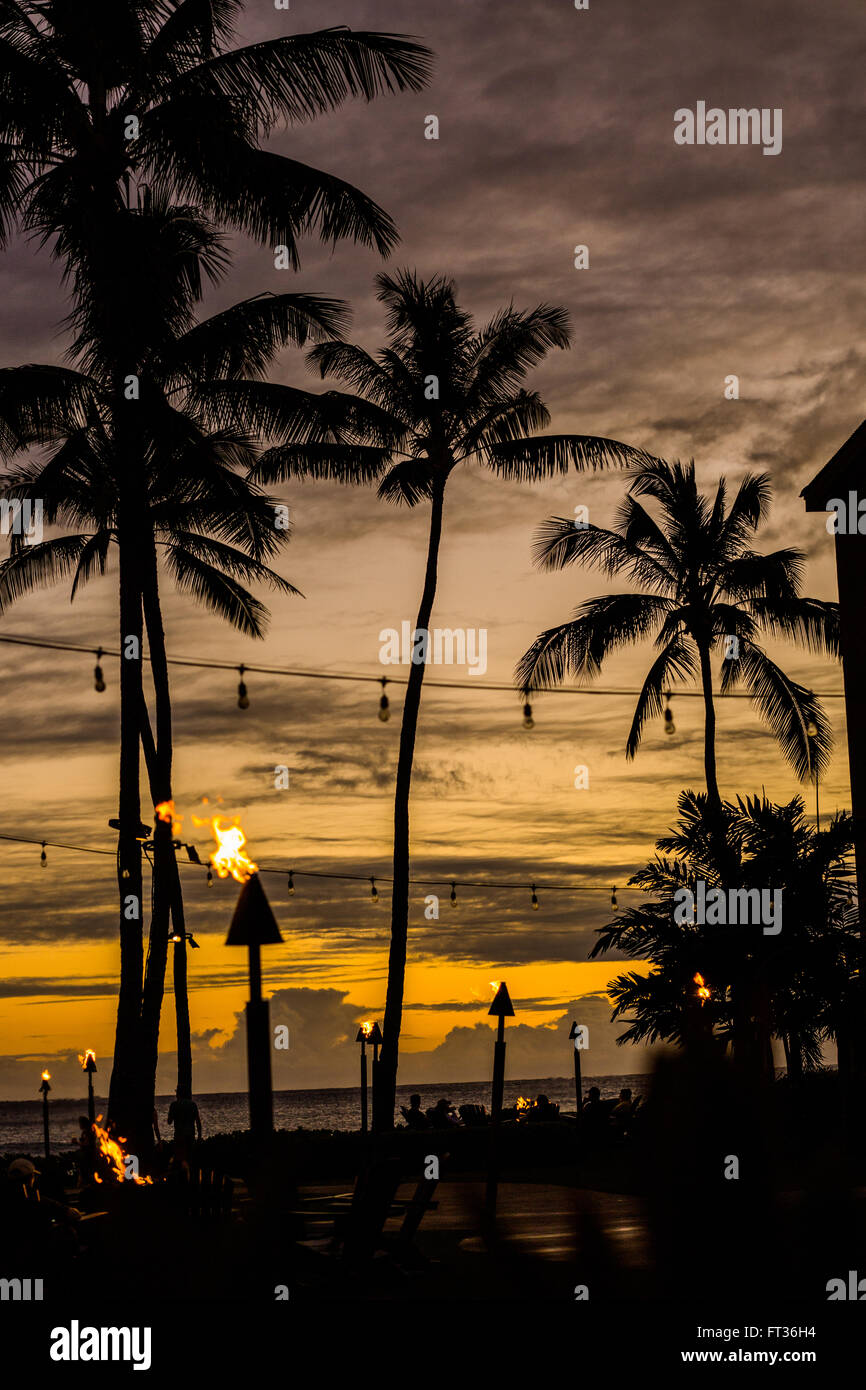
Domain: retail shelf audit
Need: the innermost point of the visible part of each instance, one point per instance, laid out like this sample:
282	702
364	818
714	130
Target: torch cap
253	923
502	1006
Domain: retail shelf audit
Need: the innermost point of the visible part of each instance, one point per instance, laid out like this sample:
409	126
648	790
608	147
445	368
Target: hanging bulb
98	678
374	896
613	897
210	878
384	711
243	697
528	721
291	884
454	895
812	729
43	858
670	726
534	899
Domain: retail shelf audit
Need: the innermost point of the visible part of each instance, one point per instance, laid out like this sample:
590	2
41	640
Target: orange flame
494	984
165	811
111	1150
703	992
523	1103
89	1056
366	1029
230	858
46	1076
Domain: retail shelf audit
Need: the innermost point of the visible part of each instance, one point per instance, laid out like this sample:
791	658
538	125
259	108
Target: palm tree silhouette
439	395
98	95
702	586
794	985
214	528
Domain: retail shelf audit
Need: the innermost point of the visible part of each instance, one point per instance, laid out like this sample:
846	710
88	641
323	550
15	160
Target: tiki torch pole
90	1068
363	1034
501	1008
577	1036
45	1088
253	926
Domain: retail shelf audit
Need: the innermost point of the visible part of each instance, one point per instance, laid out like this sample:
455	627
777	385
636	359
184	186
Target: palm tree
795	985
439	395
215	529
96	95
702	585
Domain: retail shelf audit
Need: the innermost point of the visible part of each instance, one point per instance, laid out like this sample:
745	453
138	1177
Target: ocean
338	1108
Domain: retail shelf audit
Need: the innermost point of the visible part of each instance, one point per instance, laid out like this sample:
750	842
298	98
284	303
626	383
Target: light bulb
454	895
613	897
670	726
98	677
384	711
374	896
291	888
210	878
43	858
812	728
534	899
243	697
528	721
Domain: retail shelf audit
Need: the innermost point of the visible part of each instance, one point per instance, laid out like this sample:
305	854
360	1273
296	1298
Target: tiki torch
365	1035
88	1064
501	1008
254	925
577	1035
45	1088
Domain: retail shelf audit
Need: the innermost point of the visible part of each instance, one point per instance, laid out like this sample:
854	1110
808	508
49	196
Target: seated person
620	1115
414	1116
543	1109
441	1115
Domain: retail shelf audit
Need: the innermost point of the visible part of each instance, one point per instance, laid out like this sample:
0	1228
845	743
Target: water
338	1108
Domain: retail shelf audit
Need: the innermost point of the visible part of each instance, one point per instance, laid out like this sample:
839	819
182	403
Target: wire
304	674
352	878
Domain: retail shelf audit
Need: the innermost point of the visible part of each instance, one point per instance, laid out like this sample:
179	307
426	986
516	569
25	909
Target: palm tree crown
704	591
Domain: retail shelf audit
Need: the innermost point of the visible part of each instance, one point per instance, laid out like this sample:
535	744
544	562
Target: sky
555	130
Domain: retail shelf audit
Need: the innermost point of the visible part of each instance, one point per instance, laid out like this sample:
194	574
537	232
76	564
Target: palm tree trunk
165	874
384	1095
709	726
125	1106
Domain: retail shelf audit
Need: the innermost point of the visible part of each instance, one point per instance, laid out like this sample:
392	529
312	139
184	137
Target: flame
494	984
523	1103
89	1056
46	1076
114	1154
703	992
165	811
366	1029
230	858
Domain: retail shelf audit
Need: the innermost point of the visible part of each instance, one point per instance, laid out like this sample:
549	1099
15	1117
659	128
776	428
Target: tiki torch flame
165	811
703	992
231	857
113	1154
366	1029
494	984
46	1076
89	1056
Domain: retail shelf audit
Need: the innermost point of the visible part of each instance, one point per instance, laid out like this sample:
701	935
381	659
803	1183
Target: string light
294	673
384	711
98	677
534	899
43	858
291	884
528	721
210	878
243	697
454	895
374	896
670	726
613	902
